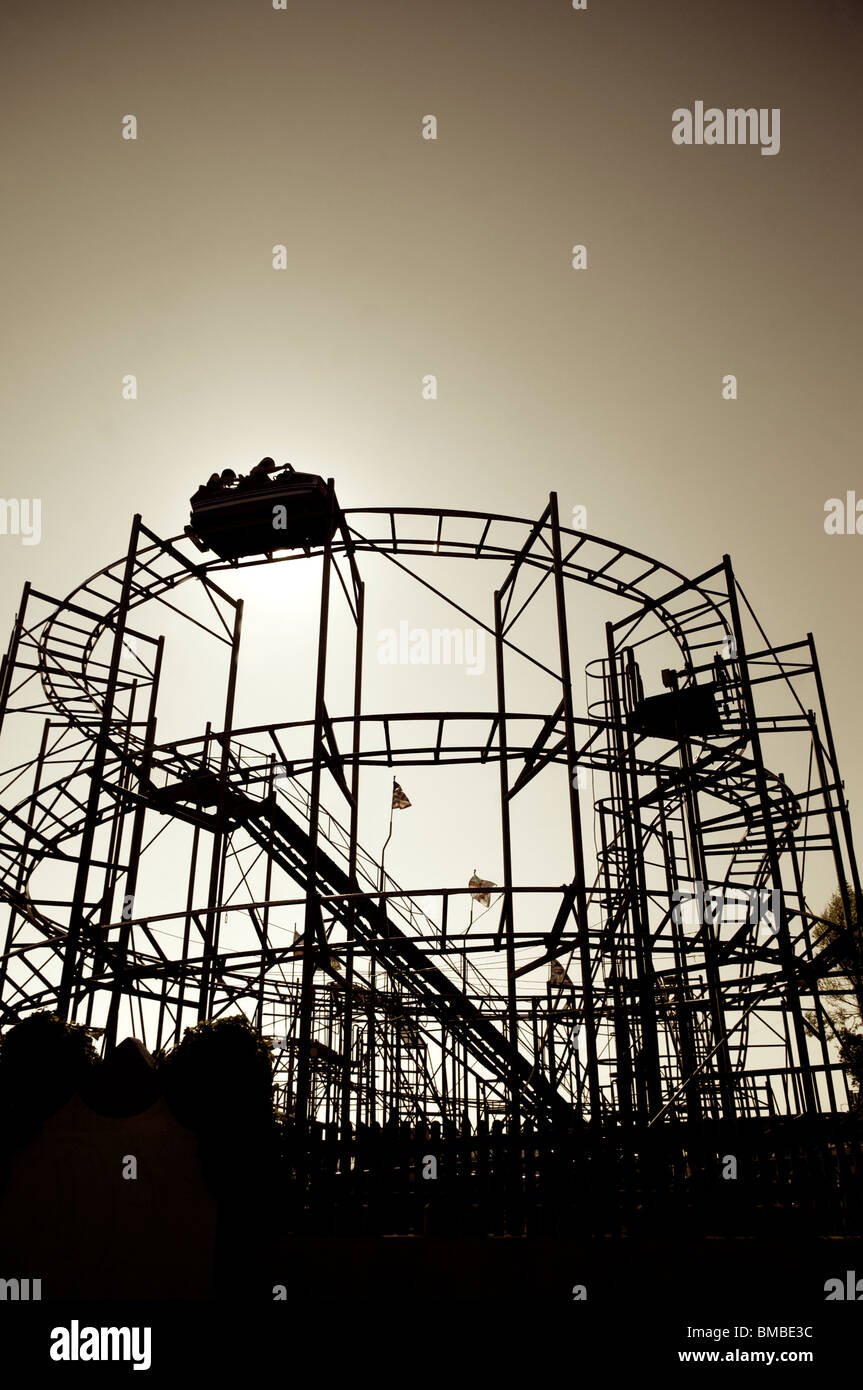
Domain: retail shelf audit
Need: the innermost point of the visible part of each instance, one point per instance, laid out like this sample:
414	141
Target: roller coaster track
45	824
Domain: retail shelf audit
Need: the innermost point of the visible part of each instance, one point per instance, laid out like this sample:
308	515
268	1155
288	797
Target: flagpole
389	836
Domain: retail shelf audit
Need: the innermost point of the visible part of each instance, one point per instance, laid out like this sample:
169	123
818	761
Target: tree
219	1075
842	991
43	1061
851	1056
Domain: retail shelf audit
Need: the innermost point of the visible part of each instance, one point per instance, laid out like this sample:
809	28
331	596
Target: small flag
481	887
557	975
400	801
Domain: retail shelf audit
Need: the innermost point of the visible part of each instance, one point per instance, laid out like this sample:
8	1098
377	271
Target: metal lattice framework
625	1001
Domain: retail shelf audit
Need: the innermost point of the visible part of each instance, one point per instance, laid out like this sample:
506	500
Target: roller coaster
680	971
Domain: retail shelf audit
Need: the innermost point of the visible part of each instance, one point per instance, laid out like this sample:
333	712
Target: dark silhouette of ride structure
592	1006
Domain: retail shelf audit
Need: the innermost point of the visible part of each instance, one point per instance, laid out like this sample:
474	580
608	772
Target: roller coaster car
270	509
691	712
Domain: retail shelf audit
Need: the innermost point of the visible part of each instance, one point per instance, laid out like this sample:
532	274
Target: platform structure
679	971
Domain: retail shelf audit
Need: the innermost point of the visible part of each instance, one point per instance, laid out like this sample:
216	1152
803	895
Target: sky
408	258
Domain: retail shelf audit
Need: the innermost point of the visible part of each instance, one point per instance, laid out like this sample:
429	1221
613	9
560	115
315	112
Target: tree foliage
43	1062
842	992
222	1068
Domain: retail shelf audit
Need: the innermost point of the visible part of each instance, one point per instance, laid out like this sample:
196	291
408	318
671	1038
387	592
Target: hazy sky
407	257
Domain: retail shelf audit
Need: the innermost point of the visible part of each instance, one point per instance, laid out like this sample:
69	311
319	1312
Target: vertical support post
112	858
348	1024
190	902
688	1060
786	953
616	977
714	983
10	656
588	1013
646	1068
134	855
834	763
265	921
820	1011
507	910
97	772
848	911
209	973
25	844
312	913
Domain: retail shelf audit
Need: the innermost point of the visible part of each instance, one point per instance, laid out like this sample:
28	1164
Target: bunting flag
481	887
400	801
557	975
